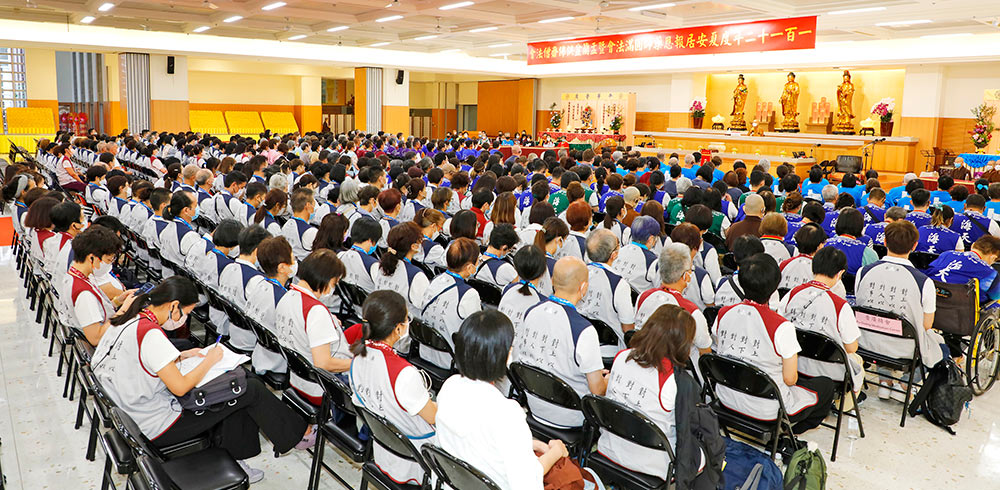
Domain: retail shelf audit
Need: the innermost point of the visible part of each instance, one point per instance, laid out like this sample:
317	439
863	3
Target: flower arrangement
697	109
982	132
884	108
555	120
616	123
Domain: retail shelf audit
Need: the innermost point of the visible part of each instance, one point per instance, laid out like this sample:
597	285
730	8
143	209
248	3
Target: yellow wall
870	86
222	88
40	75
468	93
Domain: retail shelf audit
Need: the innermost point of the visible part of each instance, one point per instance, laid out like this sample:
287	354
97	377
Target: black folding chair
848	281
891	325
530	380
393	440
267	340
820	347
716	241
629	424
880	250
922	260
337	395
489	294
606	335
454	472
747	379
423	335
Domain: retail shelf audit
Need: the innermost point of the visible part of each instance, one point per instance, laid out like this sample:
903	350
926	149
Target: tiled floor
41	450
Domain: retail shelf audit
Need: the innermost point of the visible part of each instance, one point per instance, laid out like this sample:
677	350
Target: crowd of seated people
572	242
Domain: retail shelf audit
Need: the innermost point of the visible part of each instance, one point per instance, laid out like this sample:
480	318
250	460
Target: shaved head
754	205
568	275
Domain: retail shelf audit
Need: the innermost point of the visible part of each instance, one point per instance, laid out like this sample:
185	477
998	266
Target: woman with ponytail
550	238
179	238
274	204
388	385
138	366
13	191
395	270
523	293
614	212
938	237
431	222
416	195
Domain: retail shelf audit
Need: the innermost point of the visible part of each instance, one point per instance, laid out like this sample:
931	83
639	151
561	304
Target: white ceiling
516	22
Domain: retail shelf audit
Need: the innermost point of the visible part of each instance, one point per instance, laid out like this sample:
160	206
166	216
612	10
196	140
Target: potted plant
883	109
697	114
616	123
555	120
982	132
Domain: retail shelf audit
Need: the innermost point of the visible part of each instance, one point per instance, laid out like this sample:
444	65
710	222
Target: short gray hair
278	181
201	178
683	184
349	191
673	161
189	171
765	164
675	260
689	159
829	193
601	244
616	155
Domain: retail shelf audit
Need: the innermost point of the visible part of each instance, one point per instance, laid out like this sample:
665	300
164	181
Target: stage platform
893	155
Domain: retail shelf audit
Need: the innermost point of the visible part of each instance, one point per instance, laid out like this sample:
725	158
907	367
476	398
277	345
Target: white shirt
233	283
514	304
480	426
495	271
447	303
609	299
359	266
301	323
177	240
300	236
556	338
408	280
263	295
639	266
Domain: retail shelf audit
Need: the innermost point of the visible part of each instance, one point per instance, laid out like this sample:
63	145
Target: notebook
228	362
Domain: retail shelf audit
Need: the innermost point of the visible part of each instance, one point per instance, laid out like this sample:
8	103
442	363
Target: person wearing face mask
235	278
88	308
358	260
302	323
208	266
365	207
264	291
390	202
385	383
395	271
449	300
227	202
137	365
253	198
431	222
636	260
274	205
550	238
299	233
609	296
574	352
67	221
96	194
120	191
495	268
179	238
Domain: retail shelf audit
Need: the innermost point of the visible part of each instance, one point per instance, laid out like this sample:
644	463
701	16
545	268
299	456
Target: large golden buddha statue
739	103
790	105
845	95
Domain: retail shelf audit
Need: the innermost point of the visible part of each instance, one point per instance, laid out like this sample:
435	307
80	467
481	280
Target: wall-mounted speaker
399	77
170	65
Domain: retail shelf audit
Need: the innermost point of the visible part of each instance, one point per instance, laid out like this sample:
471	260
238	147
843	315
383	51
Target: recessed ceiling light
389	18
424	38
88	19
377	45
484	29
106	6
232	19
200	29
902	23
272	6
297	37
338	28
500	54
954	34
651	7
456	5
556	19
501	45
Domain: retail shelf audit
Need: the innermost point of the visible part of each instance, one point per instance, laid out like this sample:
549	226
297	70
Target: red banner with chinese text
765	35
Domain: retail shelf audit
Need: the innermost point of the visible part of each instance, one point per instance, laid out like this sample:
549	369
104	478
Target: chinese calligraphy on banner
766	35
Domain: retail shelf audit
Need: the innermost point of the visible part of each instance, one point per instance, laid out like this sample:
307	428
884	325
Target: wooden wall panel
651	121
360	97
542	119
954	134
525	105
497	106
169	115
396	119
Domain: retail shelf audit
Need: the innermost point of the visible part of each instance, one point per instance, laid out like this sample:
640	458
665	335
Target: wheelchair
973	328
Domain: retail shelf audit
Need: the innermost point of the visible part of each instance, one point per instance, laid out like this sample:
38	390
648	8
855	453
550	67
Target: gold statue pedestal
738	124
788	126
844	128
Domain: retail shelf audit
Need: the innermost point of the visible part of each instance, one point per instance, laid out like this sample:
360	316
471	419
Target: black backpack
697	432
942	396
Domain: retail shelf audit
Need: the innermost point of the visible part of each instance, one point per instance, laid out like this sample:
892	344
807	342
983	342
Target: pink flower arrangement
981	136
982	132
697	109
884	108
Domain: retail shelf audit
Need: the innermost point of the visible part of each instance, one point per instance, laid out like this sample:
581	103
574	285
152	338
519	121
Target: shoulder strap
977	223
868	210
436	296
736	288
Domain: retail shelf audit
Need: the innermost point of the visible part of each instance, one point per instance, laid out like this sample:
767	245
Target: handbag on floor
806	471
749	469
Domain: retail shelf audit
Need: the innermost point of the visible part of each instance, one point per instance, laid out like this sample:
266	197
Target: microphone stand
868	151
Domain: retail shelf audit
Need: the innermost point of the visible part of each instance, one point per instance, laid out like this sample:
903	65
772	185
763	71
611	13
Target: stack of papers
230	360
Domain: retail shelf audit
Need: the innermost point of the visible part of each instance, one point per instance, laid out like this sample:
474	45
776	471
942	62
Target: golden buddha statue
845	94
790	105
739	102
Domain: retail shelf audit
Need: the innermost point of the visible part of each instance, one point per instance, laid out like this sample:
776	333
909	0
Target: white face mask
172	324
294	269
102	270
405	335
128	192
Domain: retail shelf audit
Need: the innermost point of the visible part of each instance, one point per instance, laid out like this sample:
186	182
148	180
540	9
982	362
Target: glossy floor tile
41	450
